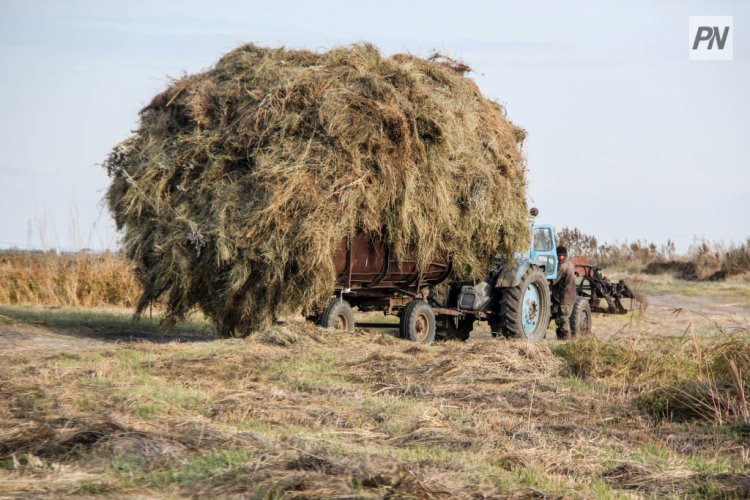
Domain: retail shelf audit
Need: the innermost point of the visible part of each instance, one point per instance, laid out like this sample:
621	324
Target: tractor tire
525	309
338	315
447	329
417	322
580	318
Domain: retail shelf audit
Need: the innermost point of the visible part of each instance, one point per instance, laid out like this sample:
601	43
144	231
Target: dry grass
301	412
736	260
680	379
242	181
705	261
75	279
715	390
669	283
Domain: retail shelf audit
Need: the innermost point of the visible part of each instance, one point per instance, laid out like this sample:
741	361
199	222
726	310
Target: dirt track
57	329
667	315
701	304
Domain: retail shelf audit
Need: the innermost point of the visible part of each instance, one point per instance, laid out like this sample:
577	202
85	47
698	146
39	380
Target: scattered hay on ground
56	437
359	415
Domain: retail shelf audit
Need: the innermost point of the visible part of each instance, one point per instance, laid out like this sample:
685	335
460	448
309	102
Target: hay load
241	181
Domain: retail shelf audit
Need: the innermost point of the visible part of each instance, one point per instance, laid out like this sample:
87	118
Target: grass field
93	403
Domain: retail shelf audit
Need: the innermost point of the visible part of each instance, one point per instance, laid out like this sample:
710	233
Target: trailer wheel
525	310
417	322
338	315
580	318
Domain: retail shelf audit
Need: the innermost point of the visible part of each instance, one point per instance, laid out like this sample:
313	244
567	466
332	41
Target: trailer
514	297
371	279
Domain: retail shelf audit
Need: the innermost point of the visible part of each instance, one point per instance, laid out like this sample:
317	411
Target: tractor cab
543	249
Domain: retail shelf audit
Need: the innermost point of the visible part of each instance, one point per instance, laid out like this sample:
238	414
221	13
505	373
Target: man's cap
561	250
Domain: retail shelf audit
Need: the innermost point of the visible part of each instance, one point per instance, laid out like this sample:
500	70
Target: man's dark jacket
564	287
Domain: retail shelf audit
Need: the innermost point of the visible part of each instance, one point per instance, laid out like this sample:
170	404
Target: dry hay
304	469
55	437
241	181
60	437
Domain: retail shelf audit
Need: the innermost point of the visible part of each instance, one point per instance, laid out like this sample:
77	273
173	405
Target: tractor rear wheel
580	318
417	322
525	309
338	315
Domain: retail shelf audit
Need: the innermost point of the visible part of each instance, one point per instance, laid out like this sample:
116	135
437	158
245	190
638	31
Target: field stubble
297	411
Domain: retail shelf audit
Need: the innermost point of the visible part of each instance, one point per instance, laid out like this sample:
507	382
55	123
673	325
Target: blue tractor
514	298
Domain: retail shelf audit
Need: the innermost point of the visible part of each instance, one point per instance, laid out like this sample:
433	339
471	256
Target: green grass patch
195	469
603	491
589	357
150	396
584	385
307	374
95	488
515	477
716	464
654	455
627	361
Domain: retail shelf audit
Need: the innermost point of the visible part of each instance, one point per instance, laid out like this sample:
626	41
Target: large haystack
241	181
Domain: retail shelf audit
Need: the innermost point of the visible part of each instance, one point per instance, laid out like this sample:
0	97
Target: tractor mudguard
511	276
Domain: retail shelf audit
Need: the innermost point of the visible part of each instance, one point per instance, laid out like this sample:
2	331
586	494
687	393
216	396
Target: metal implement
596	287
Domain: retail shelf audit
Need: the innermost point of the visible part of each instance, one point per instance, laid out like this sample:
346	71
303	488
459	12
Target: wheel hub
421	326
340	323
530	309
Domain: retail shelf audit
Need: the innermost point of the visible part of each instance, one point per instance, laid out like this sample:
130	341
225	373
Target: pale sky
628	139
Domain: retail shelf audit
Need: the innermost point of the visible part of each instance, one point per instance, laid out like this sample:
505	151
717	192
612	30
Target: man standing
563	290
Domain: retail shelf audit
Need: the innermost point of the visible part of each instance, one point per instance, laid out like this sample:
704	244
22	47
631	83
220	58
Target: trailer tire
338	315
417	322
580	318
525	309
